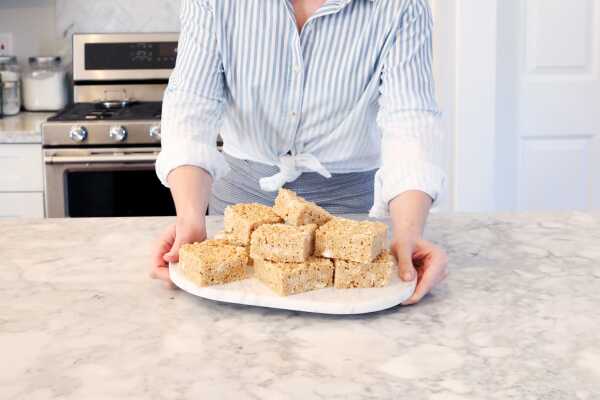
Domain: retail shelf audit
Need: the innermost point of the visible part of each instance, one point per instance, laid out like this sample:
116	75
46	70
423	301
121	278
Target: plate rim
188	286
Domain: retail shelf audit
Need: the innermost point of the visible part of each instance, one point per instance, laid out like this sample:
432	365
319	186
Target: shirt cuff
191	153
406	176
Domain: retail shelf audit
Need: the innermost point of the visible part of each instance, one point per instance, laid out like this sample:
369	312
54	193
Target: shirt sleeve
193	102
408	113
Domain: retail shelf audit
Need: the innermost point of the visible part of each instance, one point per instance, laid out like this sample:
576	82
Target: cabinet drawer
21	168
22	205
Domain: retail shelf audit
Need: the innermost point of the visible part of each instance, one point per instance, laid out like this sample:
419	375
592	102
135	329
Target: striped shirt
353	91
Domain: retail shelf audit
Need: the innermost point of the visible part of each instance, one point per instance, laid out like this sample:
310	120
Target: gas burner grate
92	112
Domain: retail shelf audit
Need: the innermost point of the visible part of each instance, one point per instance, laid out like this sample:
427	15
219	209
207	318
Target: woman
330	98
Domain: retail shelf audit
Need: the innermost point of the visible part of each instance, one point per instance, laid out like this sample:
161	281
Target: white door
558	112
520	84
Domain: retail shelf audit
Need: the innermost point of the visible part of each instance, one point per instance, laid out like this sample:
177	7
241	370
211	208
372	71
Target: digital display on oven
138	55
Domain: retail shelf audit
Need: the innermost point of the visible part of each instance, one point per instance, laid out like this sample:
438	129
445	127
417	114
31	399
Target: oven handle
113	158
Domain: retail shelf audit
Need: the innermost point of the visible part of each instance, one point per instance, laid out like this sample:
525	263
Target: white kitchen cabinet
21	181
22	205
21	168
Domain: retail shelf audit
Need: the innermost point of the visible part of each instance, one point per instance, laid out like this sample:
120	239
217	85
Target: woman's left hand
425	260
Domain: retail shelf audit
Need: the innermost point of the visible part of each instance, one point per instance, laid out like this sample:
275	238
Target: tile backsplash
114	16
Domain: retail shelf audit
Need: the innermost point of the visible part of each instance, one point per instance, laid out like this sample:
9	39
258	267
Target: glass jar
10	85
45	84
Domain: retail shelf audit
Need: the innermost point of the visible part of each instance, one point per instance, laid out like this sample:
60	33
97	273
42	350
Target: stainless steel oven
104	182
100	152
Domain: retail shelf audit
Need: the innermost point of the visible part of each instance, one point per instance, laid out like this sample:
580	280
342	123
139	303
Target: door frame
466	42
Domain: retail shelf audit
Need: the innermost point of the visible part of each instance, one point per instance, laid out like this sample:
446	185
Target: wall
87	16
45	26
33	25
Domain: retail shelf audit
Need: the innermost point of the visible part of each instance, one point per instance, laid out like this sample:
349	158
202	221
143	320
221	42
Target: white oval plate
324	301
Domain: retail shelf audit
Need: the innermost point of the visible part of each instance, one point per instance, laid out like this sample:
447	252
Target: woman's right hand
166	249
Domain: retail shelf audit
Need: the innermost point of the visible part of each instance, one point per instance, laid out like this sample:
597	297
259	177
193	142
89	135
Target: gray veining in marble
517	319
24	127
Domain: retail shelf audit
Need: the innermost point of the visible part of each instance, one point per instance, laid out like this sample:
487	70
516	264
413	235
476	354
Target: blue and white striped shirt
353	91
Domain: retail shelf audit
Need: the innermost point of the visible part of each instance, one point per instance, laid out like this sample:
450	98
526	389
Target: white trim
475	105
444	49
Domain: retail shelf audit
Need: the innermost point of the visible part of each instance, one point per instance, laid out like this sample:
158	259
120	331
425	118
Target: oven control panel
132	55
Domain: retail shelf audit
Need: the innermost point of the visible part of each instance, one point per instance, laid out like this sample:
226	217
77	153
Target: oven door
113	182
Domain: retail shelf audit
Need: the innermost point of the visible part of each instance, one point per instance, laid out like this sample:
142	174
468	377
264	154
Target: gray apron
349	193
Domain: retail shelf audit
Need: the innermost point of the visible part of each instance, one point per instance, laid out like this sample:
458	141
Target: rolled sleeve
193	102
412	138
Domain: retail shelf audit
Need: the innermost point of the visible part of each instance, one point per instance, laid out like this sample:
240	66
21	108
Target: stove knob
154	132
78	134
117	133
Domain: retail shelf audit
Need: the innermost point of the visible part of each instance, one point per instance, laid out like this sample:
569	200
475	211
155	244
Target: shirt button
293	114
296	68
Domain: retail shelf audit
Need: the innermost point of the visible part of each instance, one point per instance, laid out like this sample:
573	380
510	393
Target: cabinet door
21	168
21	205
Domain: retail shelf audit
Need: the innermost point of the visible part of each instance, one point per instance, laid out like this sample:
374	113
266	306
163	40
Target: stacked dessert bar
294	247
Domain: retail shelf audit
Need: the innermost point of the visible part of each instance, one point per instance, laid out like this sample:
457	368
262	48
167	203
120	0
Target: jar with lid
10	85
45	84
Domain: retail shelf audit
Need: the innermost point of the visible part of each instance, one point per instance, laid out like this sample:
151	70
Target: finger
173	255
163	245
439	262
161	273
424	286
406	270
434	271
443	276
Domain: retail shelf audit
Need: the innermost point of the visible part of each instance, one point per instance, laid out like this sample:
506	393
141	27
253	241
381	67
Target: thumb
406	270
172	255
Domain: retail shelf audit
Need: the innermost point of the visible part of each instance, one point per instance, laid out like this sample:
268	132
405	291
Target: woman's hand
166	249
422	260
190	187
417	258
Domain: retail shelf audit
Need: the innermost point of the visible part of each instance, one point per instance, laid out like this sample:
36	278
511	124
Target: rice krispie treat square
242	219
221	235
292	278
284	243
376	274
358	241
297	211
213	262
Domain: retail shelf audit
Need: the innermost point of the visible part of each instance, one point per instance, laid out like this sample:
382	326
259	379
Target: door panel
559	36
555	173
558	121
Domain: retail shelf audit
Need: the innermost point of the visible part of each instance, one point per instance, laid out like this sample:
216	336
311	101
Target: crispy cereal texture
358	241
297	211
242	219
221	235
376	274
213	262
292	278
284	243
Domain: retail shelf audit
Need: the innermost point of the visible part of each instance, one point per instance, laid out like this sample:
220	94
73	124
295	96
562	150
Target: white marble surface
517	319
24	127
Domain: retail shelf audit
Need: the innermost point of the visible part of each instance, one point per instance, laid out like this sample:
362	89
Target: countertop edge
23	128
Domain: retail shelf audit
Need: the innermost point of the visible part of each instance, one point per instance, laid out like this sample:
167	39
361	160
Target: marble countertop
24	127
518	318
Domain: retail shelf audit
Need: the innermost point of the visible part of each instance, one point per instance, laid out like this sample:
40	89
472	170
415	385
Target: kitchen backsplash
114	16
